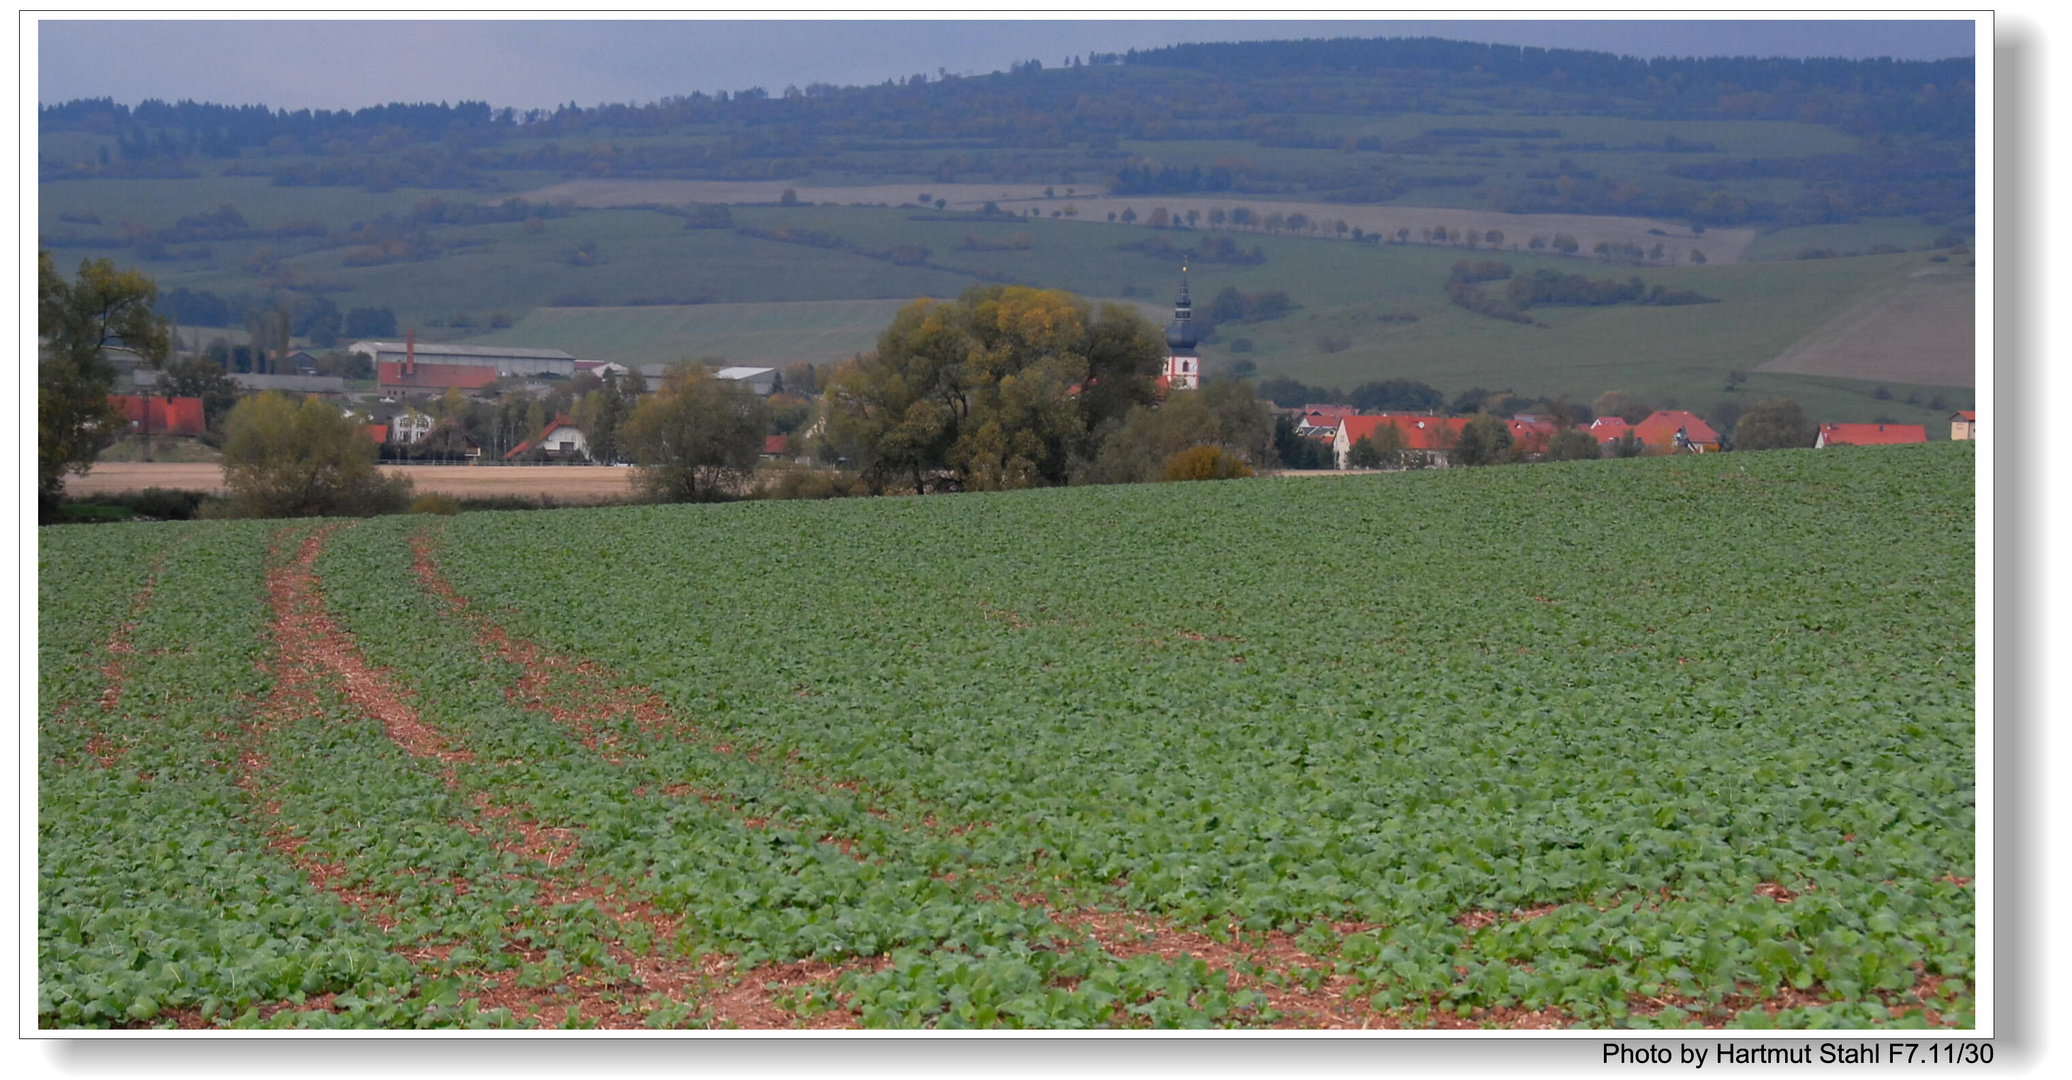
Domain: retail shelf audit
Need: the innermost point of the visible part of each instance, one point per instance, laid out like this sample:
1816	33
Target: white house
561	438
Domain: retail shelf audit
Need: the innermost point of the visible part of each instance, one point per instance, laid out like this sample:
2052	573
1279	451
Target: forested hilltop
1246	118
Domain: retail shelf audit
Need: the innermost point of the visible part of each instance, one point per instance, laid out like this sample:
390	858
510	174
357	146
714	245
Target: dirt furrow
311	645
115	670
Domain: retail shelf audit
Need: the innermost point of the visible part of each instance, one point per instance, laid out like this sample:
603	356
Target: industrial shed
505	360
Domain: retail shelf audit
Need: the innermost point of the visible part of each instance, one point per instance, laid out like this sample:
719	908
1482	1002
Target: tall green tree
1776	424
698	439
1485	440
1573	444
1224	412
201	377
1005	387
77	320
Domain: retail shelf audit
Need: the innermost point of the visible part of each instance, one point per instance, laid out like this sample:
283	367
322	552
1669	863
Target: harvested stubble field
1621	743
563	483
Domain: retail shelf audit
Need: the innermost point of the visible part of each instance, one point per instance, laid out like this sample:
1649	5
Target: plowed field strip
310	642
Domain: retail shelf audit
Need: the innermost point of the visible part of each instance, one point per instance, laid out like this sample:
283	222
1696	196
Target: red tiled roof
438	376
1609	428
1871	434
1965	415
775	444
1420	432
377	432
1659	429
166	416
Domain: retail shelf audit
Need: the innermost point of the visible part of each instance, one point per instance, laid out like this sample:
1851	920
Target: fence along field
1612	743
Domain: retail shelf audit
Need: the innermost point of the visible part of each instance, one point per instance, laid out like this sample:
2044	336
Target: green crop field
1646	743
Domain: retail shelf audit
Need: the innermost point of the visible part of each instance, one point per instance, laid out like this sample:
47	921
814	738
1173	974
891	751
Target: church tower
1183	364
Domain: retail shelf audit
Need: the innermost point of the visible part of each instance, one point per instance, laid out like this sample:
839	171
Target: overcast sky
539	64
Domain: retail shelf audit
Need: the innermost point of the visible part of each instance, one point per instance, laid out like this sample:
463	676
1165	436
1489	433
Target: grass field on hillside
1680	354
1646	743
1336	337
820	332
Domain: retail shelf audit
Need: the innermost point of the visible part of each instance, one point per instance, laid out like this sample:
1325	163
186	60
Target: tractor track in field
583	695
117	652
313	649
579	694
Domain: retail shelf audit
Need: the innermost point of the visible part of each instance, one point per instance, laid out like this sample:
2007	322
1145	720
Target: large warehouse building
506	360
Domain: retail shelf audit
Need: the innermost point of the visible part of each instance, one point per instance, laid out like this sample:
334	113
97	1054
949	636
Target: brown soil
563	483
1921	333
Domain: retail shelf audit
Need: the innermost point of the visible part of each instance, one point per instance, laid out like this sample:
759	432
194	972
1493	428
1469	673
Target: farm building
500	359
399	375
1964	425
161	415
560	440
245	380
1869	435
762	380
1433	436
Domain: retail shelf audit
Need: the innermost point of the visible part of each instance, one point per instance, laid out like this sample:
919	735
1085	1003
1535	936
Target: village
429	401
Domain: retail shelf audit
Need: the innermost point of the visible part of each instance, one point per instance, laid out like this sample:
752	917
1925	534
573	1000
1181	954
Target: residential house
1964	425
560	440
1669	431
1869	435
1531	434
410	426
447	441
1665	431
1321	421
1433	437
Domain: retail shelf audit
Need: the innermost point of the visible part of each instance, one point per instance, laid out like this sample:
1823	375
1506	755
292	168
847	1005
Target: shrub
1205	463
286	460
435	503
797	482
